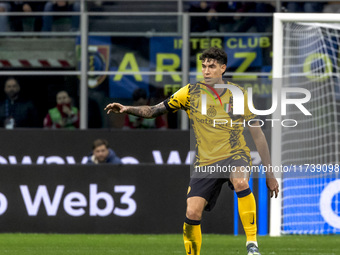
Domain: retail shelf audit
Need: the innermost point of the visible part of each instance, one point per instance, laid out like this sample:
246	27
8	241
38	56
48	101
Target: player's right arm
144	111
179	100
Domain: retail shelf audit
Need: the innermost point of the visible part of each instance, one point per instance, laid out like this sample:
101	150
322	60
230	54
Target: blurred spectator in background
19	23
202	23
61	6
102	153
95	5
64	115
332	7
140	98
304	6
246	23
4	25
265	24
14	110
226	23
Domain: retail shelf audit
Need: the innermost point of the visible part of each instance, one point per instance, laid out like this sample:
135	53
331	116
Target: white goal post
280	19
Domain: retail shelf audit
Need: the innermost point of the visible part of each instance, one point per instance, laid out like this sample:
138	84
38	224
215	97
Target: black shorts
210	188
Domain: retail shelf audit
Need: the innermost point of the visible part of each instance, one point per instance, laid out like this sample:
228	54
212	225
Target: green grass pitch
48	244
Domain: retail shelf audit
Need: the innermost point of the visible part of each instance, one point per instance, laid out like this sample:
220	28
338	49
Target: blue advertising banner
246	53
129	55
311	205
99	49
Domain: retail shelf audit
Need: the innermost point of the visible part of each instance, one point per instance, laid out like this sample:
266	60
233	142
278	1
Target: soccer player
217	145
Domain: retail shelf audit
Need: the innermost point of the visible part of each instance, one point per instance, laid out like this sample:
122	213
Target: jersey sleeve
248	115
179	100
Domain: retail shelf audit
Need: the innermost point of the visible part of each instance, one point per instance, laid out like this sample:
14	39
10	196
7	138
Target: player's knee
194	214
240	184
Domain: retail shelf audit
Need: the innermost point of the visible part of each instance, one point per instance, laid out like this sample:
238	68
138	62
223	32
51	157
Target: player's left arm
263	149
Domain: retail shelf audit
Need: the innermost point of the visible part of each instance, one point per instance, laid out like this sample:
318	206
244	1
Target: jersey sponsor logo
206	120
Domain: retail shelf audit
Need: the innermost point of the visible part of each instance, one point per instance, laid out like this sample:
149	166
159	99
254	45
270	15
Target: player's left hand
273	186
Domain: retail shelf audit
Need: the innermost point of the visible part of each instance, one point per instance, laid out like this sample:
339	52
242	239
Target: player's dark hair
139	93
215	53
100	142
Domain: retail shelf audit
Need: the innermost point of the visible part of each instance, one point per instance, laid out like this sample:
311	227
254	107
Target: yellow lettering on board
248	59
161	67
128	60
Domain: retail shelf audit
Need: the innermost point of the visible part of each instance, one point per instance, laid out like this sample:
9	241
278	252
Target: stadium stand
134	23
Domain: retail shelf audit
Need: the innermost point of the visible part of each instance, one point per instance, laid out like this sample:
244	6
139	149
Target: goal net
310	59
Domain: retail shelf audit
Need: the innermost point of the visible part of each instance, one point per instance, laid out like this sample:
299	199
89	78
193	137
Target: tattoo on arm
147	111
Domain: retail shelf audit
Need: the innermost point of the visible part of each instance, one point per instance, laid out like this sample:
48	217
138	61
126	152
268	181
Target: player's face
212	71
101	153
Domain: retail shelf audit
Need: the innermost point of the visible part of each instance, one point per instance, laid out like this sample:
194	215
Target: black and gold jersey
219	133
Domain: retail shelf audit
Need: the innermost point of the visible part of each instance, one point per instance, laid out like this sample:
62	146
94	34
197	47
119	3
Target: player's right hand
115	108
